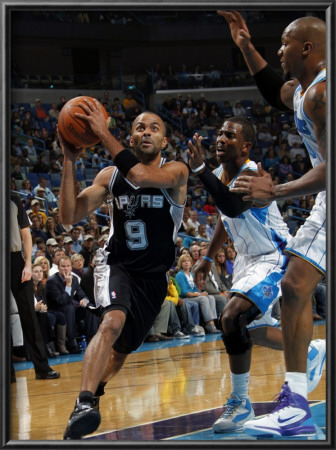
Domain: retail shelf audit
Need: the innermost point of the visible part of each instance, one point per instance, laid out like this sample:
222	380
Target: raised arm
271	86
242	38
74	208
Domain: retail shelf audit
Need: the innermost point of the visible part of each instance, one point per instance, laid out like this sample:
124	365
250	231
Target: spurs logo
132	206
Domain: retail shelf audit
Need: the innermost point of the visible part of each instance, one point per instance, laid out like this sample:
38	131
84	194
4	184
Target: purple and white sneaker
290	418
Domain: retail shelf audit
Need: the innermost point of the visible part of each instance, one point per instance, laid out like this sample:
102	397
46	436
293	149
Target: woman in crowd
220	263
44	263
189	291
50	228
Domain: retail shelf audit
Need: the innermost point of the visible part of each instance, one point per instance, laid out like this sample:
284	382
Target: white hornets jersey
304	124
257	231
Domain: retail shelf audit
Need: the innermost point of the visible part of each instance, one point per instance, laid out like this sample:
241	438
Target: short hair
76	256
248	131
65	258
57	250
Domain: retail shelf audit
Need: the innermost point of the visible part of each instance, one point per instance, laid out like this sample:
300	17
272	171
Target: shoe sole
83	425
266	433
216	427
226	430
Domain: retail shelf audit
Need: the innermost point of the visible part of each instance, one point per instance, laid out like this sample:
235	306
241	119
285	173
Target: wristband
198	169
207	258
125	160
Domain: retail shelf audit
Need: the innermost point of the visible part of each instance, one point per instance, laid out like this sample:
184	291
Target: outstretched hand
258	189
239	31
195	152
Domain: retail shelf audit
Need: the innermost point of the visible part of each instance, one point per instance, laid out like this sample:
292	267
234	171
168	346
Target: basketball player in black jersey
148	198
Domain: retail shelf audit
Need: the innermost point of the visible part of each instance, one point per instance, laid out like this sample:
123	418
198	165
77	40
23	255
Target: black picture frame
7	7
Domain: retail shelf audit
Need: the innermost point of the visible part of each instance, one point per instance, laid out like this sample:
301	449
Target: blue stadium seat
55	179
44	175
80	176
33	178
90	173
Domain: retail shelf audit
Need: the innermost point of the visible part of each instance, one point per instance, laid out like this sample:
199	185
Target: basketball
73	129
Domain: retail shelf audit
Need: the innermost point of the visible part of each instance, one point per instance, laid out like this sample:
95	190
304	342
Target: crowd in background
35	151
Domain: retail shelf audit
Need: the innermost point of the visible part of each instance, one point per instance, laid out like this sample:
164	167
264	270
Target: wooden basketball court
166	391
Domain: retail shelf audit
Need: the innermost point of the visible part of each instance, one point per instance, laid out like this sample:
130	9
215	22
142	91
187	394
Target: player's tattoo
319	101
318	108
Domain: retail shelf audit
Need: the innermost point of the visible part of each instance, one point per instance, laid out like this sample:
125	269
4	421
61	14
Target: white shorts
258	278
309	243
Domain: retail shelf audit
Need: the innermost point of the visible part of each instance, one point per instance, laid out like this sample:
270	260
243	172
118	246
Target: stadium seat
33	178
90	174
80	176
55	179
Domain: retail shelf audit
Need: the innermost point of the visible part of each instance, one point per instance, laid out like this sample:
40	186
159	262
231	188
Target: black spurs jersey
145	222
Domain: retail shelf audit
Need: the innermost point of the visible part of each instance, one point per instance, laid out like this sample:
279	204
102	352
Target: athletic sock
100	389
240	383
85	397
297	382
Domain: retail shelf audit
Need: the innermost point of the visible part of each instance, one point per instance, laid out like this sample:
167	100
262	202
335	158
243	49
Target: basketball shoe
290	418
236	411
84	419
315	362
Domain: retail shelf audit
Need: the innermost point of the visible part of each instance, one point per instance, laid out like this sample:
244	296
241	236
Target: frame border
6	7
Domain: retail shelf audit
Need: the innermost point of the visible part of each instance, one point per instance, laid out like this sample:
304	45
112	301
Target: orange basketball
75	130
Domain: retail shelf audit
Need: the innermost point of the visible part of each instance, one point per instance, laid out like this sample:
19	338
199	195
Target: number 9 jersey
144	226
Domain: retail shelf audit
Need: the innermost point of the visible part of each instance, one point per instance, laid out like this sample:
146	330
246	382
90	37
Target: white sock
239	384
297	381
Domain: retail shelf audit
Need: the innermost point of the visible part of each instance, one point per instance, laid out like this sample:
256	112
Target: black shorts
140	299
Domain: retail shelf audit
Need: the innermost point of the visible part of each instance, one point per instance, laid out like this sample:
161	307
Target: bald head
309	29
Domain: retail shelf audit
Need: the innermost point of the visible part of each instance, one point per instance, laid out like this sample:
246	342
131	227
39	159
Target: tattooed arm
315	108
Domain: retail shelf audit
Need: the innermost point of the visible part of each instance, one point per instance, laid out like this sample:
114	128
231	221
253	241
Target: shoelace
282	399
230	408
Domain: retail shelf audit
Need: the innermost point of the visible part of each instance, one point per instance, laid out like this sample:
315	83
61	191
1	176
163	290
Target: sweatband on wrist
198	169
229	203
125	160
207	258
269	83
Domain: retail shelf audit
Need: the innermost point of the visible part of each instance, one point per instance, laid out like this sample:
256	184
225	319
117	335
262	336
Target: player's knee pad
239	341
